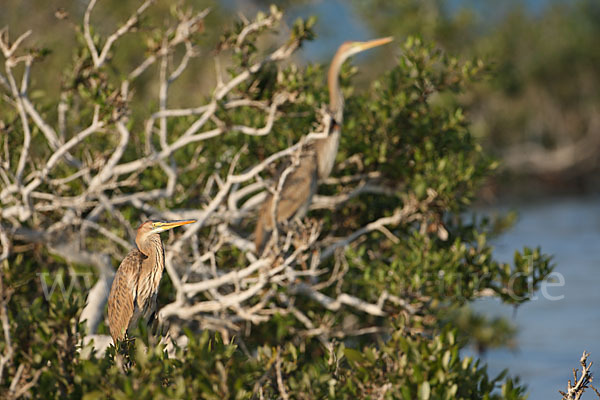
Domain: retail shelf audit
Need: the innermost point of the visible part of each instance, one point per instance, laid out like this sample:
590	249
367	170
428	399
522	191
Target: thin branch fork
575	391
7	49
404	214
100	58
183	32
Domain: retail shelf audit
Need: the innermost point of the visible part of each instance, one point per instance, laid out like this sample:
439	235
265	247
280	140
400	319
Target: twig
280	385
99	59
400	215
574	392
7	357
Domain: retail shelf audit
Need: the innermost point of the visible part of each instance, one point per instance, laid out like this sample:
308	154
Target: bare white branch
99	59
77	196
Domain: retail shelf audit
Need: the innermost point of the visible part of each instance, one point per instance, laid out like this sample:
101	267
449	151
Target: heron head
161	226
150	227
348	49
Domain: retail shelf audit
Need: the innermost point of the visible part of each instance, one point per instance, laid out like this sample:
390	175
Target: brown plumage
298	188
135	287
316	161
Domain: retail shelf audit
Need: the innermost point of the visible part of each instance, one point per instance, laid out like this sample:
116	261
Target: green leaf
354	356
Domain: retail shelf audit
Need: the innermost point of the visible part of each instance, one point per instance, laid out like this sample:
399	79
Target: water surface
553	332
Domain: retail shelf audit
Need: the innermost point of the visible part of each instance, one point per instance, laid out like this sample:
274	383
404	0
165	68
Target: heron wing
299	187
121	299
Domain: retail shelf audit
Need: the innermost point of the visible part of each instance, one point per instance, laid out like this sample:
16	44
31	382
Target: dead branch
575	391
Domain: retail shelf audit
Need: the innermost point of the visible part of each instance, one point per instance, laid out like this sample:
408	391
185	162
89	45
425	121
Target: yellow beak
374	43
158	227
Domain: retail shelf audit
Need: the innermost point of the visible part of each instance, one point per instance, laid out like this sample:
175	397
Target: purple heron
316	161
135	287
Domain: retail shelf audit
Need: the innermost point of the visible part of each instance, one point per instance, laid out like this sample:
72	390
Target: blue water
552	334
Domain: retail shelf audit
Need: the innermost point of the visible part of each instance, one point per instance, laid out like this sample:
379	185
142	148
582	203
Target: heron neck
326	151
152	248
336	99
327	148
151	271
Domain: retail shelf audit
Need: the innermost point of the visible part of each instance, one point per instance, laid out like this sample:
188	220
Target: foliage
355	301
405	367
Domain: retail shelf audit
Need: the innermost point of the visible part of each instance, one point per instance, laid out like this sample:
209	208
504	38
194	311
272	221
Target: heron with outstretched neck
135	287
316	161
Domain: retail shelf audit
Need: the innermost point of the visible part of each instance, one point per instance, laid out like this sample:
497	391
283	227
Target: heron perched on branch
315	161
135	287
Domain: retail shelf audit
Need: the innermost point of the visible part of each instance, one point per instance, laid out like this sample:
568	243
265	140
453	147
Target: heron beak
374	43
158	227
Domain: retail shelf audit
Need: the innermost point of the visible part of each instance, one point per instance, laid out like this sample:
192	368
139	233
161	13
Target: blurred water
553	334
